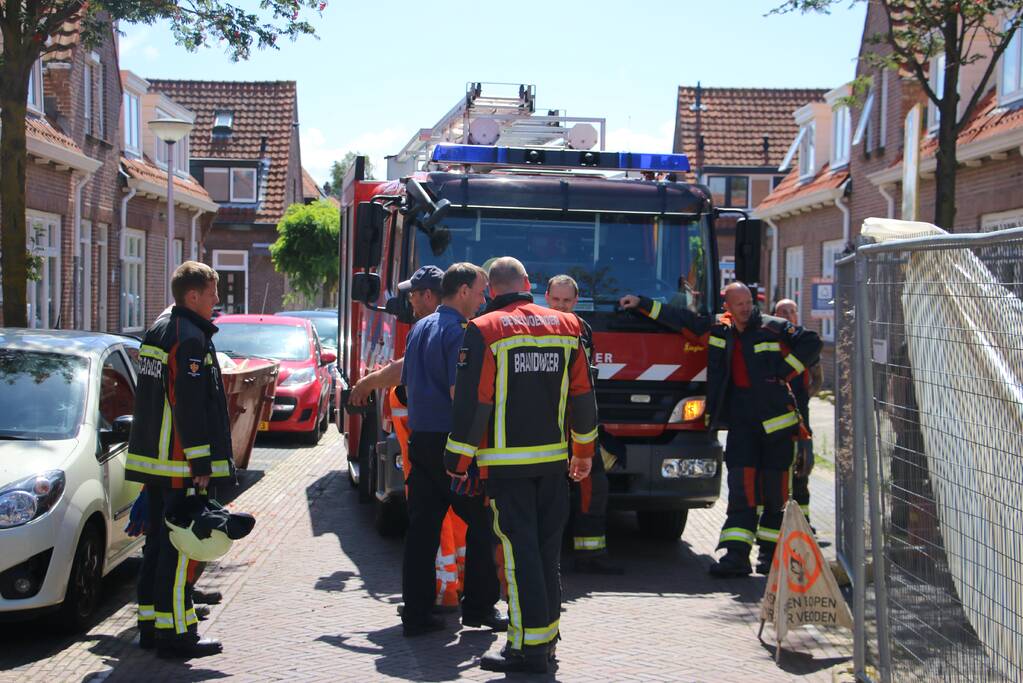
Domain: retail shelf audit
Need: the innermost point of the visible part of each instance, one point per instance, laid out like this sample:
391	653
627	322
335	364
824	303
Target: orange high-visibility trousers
451	549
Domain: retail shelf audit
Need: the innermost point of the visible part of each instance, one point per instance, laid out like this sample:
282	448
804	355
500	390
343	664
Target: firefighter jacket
521	373
181	427
774	352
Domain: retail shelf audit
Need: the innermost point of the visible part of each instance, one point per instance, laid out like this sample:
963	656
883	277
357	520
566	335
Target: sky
377	73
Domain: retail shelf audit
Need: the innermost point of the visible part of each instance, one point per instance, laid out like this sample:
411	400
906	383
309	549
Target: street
311	595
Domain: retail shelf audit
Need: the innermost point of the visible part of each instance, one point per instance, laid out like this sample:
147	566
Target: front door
231	290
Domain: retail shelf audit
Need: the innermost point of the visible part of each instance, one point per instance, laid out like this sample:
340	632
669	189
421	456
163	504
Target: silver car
66	400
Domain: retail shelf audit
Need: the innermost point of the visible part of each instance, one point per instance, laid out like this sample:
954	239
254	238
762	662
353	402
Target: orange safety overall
451	551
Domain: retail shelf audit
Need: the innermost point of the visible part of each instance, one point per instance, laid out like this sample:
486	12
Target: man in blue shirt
428	373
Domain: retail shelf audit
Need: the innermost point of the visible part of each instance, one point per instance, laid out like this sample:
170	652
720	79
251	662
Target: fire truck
557	209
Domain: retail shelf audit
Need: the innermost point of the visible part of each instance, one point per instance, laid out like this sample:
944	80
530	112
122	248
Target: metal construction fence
929	455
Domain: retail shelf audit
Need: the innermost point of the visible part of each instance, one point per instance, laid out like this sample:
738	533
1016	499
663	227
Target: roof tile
39	128
790	188
143	169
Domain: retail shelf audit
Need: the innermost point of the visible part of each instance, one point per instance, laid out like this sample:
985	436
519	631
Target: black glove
804	458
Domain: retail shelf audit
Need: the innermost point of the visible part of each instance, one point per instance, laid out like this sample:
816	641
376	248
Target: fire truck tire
367	446
390	518
662	525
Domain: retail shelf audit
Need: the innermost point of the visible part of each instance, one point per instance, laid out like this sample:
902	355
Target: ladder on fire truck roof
507	116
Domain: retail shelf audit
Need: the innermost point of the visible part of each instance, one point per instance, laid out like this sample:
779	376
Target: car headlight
688	409
300	376
25	500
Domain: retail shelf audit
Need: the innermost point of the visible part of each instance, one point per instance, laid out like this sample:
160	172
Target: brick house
245	152
735	139
819	207
143	204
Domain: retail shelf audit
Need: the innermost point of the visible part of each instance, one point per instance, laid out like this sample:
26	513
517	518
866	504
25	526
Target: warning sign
800	589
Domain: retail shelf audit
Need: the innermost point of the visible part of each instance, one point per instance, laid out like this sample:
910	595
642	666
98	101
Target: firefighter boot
533	660
734	563
187	646
598	564
764	560
147	636
201	597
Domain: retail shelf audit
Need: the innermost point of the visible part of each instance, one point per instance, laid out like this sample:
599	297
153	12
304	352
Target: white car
66	400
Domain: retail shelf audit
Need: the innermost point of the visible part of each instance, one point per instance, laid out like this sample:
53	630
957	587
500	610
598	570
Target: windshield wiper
15	437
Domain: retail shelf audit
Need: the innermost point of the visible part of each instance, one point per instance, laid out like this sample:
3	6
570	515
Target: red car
302	400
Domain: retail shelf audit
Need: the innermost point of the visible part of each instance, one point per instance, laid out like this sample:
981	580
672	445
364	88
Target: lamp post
170	131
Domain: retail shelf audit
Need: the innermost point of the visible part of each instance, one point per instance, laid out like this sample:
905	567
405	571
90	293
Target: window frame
808	151
46	287
841	129
35	98
227	176
132	105
936	79
796	294
834	249
1014	51
728	178
255	185
882	111
128	316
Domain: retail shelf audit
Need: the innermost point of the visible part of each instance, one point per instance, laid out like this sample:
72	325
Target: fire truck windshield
608	254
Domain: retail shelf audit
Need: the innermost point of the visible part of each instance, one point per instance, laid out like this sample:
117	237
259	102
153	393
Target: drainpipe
120	242
193	249
78	181
774	258
840	203
889	200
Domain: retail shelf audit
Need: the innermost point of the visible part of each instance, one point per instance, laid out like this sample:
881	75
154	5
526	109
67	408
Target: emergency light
558	158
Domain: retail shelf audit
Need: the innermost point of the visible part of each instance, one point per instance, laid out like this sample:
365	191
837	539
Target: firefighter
589	534
803	387
180	442
522	393
431	355
750	360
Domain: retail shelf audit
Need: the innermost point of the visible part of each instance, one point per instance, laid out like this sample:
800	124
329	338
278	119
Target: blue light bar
558	158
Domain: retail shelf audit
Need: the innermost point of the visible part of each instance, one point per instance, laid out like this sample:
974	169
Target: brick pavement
312	595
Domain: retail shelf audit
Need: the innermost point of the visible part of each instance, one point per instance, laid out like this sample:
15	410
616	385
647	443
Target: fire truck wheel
367	446
662	525
390	518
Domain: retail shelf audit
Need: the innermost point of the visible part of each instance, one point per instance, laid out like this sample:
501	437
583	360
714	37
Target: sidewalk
312	595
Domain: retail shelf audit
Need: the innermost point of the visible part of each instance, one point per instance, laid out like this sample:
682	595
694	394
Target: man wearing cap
428	373
423	290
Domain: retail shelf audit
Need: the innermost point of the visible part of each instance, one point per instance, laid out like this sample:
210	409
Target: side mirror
365	287
435	211
118	433
401	308
369	232
748	235
327	357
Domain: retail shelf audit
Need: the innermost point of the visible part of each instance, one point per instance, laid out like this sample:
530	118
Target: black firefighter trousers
429	496
758	481
589	535
167	577
530	514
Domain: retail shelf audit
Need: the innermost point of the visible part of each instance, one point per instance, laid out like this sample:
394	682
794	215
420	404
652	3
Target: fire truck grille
640	402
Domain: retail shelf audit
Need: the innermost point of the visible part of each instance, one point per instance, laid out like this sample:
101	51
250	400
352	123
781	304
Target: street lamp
170	131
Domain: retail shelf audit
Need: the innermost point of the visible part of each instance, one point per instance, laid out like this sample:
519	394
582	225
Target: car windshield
42	395
278	342
608	254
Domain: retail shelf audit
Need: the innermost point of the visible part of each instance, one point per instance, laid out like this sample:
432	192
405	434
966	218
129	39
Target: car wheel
312	437
85	585
324	422
662	525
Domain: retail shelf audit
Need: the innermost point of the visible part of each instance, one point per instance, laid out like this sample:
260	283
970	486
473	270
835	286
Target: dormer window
223	122
806	151
840	128
35	87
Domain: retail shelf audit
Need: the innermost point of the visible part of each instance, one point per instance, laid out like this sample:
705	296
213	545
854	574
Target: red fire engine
556	210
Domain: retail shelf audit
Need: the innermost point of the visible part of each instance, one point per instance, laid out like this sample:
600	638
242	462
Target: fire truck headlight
687	410
696	468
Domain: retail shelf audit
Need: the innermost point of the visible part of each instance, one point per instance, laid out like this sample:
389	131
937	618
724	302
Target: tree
306	249
964	32
27	27
338	170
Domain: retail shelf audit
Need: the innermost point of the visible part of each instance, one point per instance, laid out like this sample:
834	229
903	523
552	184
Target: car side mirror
369	232
327	357
401	308
748	234
118	433
365	287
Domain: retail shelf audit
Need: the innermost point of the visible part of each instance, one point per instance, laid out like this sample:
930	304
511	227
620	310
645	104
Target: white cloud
629	140
320	149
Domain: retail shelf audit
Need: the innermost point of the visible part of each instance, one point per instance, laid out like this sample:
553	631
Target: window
35	87
1010	87
131	123
133	284
94	89
85	261
217	183
937	83
103	276
87	86
864	127
44	291
223	121
179	247
830	251
729	190
116	393
806	151
794	277
840	125
243	184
